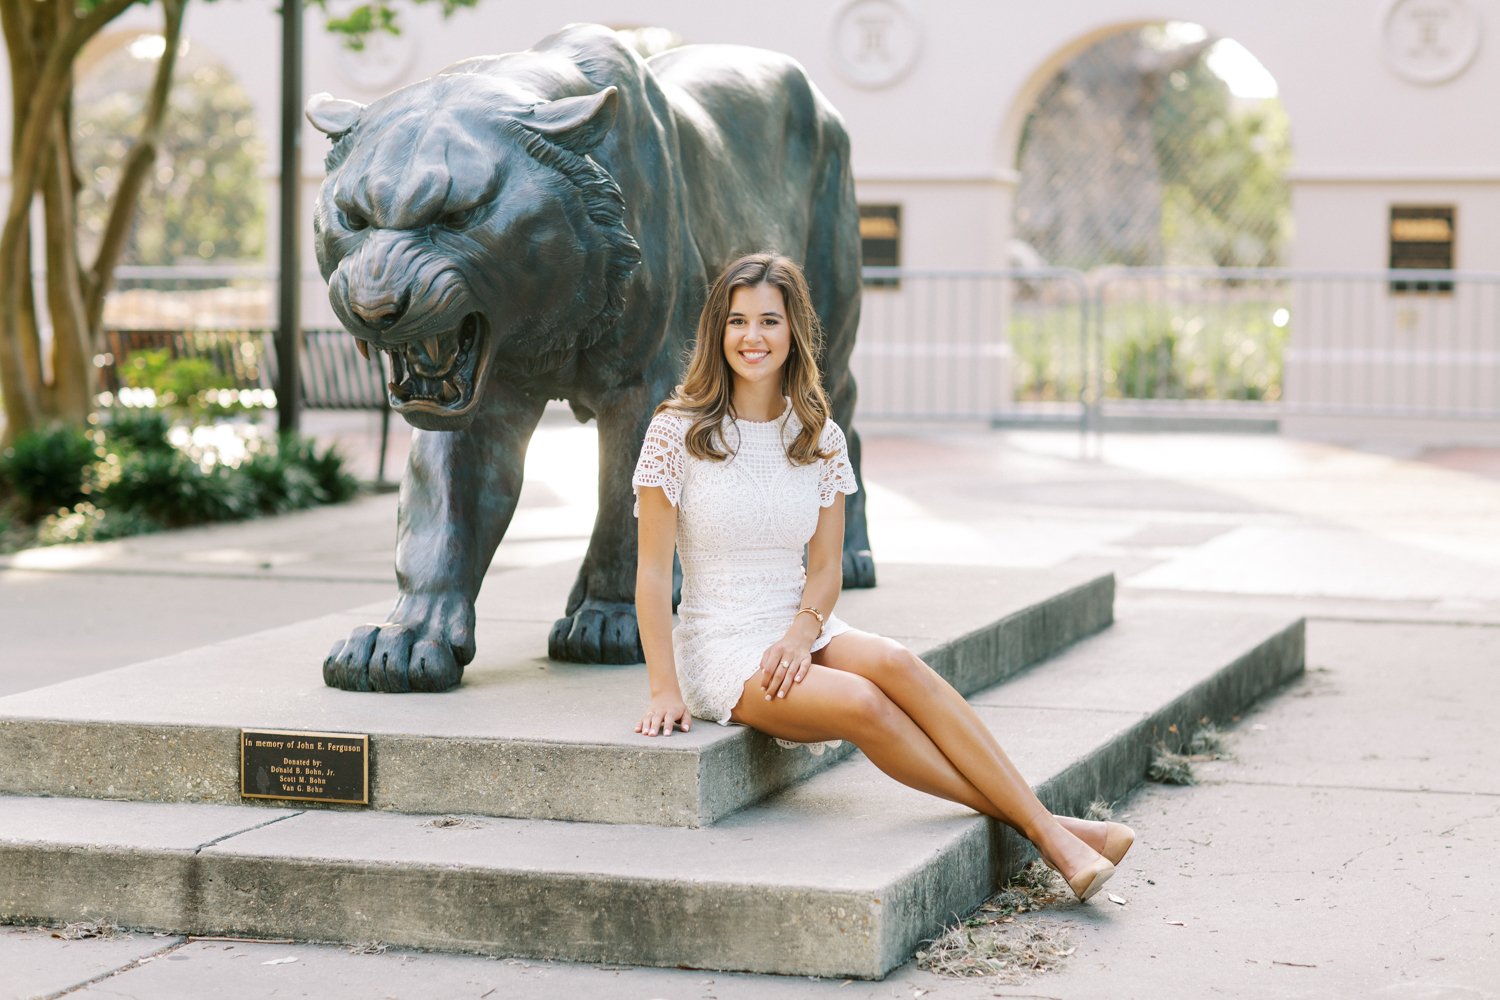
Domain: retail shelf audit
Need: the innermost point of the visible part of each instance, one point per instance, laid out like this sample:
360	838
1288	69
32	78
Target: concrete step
841	875
522	736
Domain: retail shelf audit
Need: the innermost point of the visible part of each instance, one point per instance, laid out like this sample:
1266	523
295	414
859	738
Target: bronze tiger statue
544	225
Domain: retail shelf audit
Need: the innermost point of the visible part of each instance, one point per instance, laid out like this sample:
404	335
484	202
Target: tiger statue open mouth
438	374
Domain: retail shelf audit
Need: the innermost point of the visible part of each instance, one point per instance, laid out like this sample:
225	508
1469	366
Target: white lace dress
742	525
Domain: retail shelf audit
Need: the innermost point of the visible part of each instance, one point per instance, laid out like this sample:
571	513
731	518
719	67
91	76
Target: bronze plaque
305	767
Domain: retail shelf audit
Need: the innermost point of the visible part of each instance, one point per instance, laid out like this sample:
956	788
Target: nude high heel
1117	840
1091	878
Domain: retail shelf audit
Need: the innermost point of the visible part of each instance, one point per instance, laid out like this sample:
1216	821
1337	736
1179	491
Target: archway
1159	146
1154	145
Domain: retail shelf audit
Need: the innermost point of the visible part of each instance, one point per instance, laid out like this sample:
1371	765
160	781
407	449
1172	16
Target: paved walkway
1346	851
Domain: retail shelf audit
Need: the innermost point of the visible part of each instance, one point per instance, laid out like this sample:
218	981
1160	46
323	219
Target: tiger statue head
465	232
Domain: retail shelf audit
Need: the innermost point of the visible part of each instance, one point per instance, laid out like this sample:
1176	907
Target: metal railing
1012	346
1049	346
990	345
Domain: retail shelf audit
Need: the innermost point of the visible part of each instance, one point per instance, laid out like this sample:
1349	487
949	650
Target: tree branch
14	22
51	86
138	163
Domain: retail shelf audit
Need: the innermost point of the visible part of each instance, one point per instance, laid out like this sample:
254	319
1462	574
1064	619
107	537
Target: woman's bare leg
963	738
831	704
835	705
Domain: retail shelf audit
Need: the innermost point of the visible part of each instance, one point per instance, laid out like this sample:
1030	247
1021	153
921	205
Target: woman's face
757	339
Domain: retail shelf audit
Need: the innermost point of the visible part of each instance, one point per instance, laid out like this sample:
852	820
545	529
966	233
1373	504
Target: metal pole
288	329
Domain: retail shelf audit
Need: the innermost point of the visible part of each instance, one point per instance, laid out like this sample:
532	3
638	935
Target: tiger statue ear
331	115
577	124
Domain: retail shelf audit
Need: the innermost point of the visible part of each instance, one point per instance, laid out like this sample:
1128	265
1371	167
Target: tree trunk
20	361
42	42
71	398
42	50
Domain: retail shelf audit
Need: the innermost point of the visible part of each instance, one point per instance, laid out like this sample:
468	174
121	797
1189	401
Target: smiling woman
756	342
741	470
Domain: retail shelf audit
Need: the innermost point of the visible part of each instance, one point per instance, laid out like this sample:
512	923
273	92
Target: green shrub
185	383
277	482
326	467
170	489
1146	366
132	429
1230	351
48	469
54	487
293	474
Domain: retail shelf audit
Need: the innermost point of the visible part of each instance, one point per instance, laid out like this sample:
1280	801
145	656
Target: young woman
739	471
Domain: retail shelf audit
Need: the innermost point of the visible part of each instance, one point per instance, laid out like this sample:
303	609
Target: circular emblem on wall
1431	41
875	42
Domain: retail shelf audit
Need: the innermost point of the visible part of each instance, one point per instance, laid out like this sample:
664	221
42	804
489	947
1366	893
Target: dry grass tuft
1170	767
1209	743
1100	810
367	948
1173	768
82	929
992	943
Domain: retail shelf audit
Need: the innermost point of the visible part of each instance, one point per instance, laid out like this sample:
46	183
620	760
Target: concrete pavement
1346	851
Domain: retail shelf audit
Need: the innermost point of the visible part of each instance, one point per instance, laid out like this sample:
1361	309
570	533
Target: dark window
1422	239
880	240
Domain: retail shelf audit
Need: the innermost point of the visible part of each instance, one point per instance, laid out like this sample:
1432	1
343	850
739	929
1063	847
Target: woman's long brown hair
705	391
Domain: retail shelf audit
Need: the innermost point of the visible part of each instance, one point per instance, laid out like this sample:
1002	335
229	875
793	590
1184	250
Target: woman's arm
653	612
825	578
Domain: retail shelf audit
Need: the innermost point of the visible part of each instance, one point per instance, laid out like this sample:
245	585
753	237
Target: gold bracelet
816	614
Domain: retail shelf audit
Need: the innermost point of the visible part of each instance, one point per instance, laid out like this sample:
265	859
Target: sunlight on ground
1337	520
59	557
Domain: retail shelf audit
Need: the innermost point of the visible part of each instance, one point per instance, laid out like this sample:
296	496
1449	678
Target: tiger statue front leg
457	498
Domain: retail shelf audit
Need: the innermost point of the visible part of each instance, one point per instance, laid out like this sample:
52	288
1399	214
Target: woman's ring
783	664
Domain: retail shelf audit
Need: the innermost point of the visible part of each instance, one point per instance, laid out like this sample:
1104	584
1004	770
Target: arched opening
1161	148
1156	145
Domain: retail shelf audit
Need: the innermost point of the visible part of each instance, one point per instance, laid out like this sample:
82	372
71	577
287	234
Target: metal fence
1018	346
1242	343
989	345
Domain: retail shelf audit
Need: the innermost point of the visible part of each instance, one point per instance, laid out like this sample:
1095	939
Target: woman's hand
784	664
666	711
